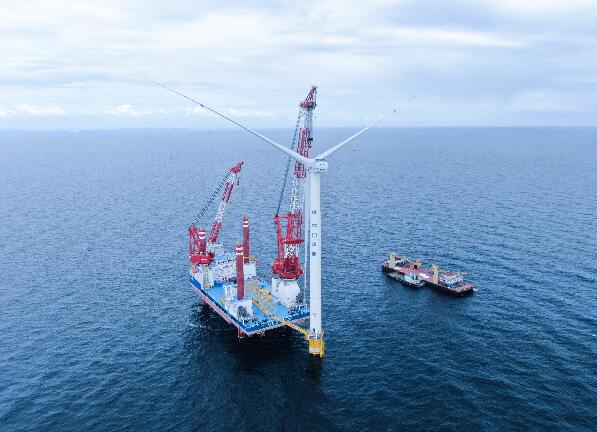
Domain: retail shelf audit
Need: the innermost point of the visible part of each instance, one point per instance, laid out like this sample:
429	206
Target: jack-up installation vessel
232	290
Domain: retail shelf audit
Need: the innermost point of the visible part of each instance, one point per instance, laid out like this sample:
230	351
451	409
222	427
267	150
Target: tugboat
413	280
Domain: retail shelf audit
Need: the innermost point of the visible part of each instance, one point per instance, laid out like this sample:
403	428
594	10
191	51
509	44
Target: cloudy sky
84	64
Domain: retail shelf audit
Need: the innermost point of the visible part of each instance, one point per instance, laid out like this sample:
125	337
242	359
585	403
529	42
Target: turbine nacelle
320	165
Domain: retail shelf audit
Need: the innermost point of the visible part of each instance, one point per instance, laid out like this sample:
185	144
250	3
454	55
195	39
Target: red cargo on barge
451	282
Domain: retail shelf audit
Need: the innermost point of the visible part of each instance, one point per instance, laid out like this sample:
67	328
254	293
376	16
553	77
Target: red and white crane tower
200	251
290	237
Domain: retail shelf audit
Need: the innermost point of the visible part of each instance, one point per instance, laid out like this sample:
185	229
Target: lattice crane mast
200	250
289	237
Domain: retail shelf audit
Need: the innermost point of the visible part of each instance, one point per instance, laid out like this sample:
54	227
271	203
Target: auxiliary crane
201	251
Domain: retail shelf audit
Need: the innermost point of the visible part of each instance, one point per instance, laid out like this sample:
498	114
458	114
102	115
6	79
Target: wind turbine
315	167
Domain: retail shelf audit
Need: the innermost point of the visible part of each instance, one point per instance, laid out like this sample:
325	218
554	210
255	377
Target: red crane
200	251
287	265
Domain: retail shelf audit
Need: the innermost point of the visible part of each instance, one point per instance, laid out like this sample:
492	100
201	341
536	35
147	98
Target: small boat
412	279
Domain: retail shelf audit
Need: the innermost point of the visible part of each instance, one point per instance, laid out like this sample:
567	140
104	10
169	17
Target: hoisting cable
288	162
211	199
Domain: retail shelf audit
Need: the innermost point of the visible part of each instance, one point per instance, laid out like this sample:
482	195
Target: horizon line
204	129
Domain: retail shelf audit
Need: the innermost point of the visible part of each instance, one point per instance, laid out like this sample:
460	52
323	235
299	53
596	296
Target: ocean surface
101	331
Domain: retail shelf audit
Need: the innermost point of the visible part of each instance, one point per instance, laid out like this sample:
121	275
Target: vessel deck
427	275
213	296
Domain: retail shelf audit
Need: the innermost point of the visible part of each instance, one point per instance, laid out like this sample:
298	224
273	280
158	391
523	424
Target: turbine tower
315	167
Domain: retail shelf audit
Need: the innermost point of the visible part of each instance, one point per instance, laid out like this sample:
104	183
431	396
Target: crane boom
217	224
200	250
289	238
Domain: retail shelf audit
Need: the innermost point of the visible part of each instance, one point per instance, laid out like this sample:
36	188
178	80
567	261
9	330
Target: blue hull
262	322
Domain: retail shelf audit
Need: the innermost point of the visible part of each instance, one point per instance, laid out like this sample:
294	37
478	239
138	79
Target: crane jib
286	265
205	254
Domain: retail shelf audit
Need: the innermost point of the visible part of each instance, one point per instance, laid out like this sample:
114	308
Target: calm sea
100	330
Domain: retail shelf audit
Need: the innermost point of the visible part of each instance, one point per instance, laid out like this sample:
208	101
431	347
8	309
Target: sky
86	64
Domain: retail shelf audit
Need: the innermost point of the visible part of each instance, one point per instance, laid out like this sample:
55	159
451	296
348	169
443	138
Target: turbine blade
305	161
337	147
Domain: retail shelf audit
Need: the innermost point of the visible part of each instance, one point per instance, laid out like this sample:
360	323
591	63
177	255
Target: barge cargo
447	281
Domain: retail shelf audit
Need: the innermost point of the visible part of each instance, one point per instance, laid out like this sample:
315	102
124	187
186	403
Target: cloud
126	111
32	110
256	61
442	37
541	101
233	112
195	111
249	113
534	9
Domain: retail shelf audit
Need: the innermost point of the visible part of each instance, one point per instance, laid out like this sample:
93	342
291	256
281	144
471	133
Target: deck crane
200	250
286	267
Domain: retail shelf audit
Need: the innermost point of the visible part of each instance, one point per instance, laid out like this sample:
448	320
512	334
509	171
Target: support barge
448	281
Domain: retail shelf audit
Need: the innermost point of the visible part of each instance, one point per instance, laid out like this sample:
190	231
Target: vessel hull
211	297
427	276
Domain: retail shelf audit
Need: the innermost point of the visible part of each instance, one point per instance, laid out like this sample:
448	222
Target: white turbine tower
315	167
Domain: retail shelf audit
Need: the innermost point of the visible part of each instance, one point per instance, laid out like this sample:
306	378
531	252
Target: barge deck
398	266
